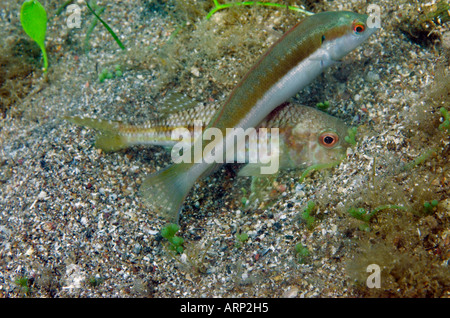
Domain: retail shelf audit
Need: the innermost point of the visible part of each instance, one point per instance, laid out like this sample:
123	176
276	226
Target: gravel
71	219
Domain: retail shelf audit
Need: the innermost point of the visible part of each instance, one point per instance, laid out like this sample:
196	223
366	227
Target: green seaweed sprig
63	6
24	284
116	38
307	214
95	281
33	18
420	159
176	242
350	138
98	11
316	167
429	206
323	106
107	74
446	123
444	126
301	253
365	216
218	6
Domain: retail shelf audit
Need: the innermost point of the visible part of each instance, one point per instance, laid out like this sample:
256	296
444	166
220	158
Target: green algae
218	6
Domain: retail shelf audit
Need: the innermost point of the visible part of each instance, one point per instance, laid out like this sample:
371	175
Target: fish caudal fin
166	190
109	139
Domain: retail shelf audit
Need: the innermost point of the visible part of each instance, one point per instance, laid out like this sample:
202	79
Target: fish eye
358	27
328	139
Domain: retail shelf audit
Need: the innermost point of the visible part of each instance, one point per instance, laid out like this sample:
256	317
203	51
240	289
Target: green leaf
33	18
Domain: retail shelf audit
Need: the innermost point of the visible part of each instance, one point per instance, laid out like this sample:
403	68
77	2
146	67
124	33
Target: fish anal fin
110	142
166	190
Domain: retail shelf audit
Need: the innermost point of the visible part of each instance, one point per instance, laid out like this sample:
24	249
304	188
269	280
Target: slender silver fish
297	58
307	136
314	44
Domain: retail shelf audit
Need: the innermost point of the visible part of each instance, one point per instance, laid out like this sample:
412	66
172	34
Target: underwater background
72	222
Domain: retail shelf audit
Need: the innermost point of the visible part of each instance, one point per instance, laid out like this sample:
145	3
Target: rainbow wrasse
295	60
307	136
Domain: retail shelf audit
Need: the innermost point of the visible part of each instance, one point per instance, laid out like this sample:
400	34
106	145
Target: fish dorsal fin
178	110
176	102
105	126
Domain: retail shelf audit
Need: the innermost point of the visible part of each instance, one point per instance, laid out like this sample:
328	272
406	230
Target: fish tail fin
166	190
110	137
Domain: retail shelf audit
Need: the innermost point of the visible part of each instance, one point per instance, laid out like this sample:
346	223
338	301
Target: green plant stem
44	56
107	27
64	5
318	166
446	123
420	159
91	29
218	6
175	33
362	215
387	206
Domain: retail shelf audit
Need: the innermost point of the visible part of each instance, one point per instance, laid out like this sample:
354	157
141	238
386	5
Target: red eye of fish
358	28
328	139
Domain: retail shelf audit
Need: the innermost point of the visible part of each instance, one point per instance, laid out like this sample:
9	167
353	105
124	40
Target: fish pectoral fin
326	61
166	190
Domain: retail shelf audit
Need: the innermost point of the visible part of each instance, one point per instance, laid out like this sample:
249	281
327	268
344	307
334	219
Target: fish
307	136
291	63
